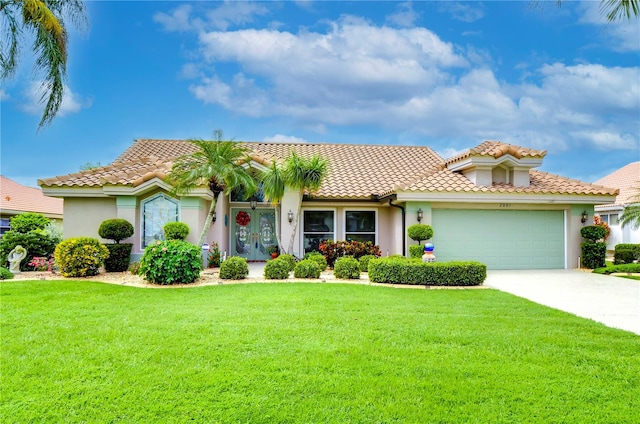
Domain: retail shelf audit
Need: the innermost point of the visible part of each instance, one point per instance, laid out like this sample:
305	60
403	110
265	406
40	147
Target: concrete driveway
612	301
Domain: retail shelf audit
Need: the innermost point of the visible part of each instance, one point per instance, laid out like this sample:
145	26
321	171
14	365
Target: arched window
156	212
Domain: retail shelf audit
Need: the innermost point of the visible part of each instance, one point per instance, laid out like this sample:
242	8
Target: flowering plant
243	218
40	263
214	255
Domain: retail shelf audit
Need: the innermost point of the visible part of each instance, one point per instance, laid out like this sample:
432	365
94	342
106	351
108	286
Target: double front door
253	232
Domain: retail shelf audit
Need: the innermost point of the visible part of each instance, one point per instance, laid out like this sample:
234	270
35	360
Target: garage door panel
499	238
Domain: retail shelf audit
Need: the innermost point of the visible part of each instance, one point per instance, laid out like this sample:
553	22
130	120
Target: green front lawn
307	353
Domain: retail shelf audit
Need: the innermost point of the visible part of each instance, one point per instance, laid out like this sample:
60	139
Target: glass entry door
252	233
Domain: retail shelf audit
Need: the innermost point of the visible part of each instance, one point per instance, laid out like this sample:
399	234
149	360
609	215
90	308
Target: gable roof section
17	198
627	180
356	171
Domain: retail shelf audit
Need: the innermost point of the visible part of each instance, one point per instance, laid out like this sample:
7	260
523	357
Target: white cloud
405	15
177	20
280	138
465	12
3	95
71	102
222	17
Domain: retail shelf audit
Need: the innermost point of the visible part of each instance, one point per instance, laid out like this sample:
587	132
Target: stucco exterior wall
83	216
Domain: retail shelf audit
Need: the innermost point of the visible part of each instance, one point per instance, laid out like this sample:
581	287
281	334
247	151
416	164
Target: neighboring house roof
627	180
16	198
356	171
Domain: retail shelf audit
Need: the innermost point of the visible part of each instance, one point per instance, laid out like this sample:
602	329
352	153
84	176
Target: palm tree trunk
278	229
207	222
295	226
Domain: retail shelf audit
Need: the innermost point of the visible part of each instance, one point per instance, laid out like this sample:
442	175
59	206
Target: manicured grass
308	353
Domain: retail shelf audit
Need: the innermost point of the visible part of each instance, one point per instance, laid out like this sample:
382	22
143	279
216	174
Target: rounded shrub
419	232
119	257
276	269
290	259
416	250
306	269
175	230
171	262
37	243
318	258
80	256
234	268
5	274
115	229
593	233
364	262
25	222
347	268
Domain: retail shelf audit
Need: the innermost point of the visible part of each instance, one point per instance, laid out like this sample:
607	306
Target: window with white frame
610	218
317	226
360	226
5	225
156	212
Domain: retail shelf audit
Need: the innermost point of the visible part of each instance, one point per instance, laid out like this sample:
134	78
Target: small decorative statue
15	257
428	253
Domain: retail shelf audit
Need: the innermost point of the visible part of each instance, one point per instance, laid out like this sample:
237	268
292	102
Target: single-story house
627	180
16	198
487	204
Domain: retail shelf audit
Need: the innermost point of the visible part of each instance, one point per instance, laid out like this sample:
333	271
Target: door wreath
243	218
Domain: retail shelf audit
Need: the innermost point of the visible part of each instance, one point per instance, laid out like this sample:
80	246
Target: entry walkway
612	301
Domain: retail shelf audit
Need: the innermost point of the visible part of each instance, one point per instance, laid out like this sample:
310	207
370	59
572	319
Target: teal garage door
501	239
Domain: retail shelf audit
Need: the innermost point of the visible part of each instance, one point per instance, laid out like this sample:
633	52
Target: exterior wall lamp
584	217
252	202
214	217
420	215
290	216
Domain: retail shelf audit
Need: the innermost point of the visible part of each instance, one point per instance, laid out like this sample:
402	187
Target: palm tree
273	185
44	18
217	163
631	214
303	175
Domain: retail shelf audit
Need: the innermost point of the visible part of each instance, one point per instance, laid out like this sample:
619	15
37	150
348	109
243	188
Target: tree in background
218	164
45	20
613	10
631	213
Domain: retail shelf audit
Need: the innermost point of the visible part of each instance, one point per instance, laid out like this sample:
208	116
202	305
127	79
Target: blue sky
444	74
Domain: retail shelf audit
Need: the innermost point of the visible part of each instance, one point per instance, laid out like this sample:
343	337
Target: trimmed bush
37	243
119	257
289	259
419	232
29	221
318	258
214	255
234	268
629	268
171	262
306	269
626	253
405	271
593	233
416	250
347	268
5	274
332	250
276	269
175	230
134	268
364	262
593	254
80	256
115	229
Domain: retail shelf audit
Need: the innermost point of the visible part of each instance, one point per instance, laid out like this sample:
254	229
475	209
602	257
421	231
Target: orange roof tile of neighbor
356	171
627	180
16	198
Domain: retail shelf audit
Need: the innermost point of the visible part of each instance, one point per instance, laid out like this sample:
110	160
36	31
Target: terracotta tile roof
496	149
19	198
627	179
540	183
356	171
